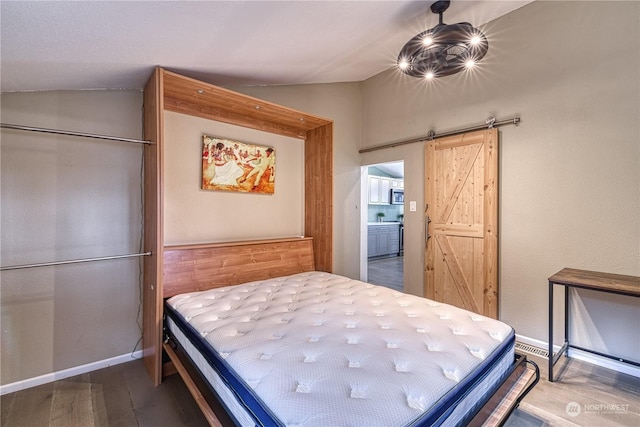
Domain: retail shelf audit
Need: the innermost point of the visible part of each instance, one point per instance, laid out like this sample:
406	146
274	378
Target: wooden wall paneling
153	240
319	194
199	267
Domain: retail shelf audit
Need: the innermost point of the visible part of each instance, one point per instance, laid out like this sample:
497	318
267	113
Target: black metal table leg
550	332
566	319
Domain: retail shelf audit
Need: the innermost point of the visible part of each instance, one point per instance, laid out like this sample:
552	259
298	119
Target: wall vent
536	351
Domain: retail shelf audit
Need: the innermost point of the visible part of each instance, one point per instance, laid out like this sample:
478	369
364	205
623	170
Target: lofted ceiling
60	45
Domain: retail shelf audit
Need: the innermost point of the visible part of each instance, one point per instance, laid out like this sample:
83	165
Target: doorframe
364	211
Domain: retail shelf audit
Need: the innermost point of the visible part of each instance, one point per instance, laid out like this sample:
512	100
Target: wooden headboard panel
190	268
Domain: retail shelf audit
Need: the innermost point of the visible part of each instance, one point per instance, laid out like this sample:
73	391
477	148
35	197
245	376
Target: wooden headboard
190	268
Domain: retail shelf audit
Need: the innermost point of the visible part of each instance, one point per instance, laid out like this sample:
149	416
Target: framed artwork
229	165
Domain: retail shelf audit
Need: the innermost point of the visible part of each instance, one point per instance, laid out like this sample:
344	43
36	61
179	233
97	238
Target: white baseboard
585	356
66	373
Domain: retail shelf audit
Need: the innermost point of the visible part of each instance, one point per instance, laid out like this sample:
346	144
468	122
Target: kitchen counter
385	223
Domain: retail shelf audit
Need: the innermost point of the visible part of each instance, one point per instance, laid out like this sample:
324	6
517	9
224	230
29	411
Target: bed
255	331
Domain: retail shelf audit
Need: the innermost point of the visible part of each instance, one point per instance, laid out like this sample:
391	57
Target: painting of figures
230	165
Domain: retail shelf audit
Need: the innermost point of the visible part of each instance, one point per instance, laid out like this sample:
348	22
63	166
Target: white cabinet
397	184
379	189
385	186
374	190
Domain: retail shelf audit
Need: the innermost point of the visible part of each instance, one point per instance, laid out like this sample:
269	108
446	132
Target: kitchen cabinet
379	187
383	239
397	183
385	186
374	190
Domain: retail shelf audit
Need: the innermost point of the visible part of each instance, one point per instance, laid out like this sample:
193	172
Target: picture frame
231	165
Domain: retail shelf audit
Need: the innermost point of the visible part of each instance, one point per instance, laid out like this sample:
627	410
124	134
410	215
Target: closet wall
62	198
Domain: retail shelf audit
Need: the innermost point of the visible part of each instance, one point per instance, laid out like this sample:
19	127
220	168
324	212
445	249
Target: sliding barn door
461	195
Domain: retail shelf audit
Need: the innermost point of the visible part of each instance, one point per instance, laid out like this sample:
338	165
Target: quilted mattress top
322	349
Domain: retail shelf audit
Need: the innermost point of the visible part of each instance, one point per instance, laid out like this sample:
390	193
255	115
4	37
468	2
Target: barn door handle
427	235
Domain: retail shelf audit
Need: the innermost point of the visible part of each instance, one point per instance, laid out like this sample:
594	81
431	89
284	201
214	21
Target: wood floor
122	395
118	396
386	272
582	395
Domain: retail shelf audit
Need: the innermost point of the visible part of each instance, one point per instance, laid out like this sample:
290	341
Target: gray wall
192	215
570	173
65	198
342	103
570	183
83	200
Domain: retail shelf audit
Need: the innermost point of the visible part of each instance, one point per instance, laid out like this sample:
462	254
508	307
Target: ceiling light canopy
443	49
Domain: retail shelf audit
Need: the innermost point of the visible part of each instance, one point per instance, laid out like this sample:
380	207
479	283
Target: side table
595	281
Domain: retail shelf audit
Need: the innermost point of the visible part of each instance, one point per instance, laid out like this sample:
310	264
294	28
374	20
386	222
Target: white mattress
317	349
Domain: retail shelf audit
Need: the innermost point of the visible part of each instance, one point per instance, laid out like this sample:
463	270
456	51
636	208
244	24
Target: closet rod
64	132
490	123
73	261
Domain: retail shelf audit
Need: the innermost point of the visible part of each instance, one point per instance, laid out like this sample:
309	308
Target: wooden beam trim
238	119
202	403
185	89
234	243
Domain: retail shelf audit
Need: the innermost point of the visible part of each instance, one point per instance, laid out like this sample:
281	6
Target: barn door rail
73	261
490	123
72	133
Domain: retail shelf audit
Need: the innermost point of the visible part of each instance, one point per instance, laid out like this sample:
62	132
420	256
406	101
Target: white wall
570	173
65	198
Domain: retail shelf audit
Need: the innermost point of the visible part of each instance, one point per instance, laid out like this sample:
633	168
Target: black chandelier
444	49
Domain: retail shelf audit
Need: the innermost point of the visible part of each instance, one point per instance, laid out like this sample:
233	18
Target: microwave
396	197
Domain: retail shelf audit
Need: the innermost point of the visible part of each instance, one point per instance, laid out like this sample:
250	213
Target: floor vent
536	351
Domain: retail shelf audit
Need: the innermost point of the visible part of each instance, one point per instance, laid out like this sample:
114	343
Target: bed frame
171	270
168	91
200	267
190	268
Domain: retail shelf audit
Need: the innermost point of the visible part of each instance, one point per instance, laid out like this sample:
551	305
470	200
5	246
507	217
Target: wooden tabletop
615	283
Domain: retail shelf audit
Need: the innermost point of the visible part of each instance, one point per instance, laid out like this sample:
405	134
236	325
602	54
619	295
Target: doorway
382	228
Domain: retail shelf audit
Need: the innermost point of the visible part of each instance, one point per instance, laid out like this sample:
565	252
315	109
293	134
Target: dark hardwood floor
387	272
122	395
118	396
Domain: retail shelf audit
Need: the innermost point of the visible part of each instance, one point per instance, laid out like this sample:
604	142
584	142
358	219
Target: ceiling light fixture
444	49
